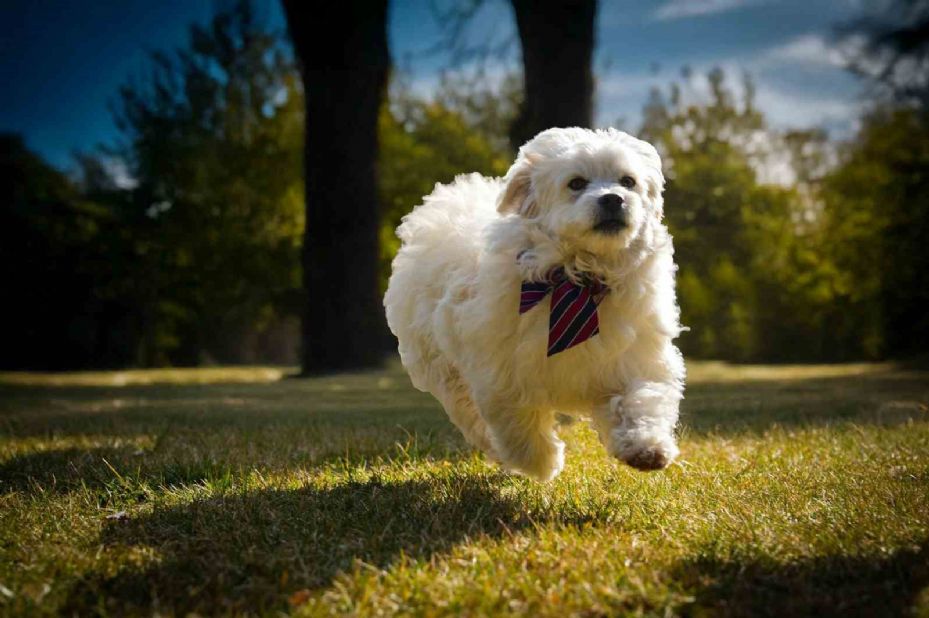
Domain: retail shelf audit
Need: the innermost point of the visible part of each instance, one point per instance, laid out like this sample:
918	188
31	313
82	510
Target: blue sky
788	46
61	61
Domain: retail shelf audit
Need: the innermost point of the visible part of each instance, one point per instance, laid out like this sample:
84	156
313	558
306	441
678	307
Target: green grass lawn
800	490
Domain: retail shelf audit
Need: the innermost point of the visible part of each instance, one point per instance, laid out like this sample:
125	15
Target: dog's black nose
610	203
612	215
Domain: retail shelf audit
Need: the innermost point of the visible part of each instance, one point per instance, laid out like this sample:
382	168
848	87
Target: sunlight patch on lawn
136	377
699	372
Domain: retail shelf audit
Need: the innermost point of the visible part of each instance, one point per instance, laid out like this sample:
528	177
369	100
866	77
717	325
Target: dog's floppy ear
517	195
656	185
654	181
654	178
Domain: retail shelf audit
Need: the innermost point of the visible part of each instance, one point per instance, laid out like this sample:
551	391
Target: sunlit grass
135	377
801	490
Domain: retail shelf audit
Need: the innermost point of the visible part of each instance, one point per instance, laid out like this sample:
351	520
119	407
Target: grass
801	490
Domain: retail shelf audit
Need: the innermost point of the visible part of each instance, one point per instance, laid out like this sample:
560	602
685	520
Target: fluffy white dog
577	218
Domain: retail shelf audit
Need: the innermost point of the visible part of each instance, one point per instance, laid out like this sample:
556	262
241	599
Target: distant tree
212	138
342	48
890	46
878	197
65	259
488	108
706	202
877	219
754	283
427	142
557	40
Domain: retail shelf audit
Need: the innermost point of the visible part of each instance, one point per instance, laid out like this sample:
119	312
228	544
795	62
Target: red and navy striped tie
573	316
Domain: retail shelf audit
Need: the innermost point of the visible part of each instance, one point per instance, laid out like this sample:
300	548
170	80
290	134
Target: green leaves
826	261
214	137
425	142
876	220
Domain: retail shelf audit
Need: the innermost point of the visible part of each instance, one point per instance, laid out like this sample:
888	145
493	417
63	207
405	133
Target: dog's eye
577	184
627	182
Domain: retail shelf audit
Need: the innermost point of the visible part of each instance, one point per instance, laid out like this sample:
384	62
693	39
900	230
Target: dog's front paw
642	449
641	425
650	459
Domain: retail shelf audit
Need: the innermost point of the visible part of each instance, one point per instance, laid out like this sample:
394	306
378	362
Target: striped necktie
573	315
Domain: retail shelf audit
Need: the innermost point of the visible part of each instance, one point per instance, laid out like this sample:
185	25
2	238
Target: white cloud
425	85
800	82
807	50
815	55
679	9
623	95
816	95
784	106
800	110
119	172
628	85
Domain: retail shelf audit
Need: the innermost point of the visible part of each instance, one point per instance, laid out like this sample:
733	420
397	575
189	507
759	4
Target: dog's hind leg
525	440
455	397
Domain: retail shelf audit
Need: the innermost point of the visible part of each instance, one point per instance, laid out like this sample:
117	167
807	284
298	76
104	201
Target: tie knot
557	275
573	314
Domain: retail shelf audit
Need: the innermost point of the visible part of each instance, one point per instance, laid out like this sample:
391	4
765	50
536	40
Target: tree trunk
342	48
557	42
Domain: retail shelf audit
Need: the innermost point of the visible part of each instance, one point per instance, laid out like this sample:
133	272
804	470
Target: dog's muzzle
611	214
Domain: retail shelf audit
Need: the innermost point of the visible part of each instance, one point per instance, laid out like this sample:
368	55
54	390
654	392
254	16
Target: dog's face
593	191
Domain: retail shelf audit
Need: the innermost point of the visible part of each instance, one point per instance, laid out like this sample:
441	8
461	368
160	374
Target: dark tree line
200	260
891	165
894	50
187	251
54	244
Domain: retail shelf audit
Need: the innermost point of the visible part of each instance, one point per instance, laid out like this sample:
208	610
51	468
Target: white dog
576	218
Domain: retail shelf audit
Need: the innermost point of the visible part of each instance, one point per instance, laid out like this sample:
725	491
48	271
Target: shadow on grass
826	586
31	411
250	552
121	473
208	432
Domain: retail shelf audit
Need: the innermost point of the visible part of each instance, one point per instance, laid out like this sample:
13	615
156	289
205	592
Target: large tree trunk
342	48
557	43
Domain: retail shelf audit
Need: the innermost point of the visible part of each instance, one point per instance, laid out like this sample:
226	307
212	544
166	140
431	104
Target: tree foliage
61	256
424	142
790	247
199	259
213	139
876	221
890	48
754	280
827	263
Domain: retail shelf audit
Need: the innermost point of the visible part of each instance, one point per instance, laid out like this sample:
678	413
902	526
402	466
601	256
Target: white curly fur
453	301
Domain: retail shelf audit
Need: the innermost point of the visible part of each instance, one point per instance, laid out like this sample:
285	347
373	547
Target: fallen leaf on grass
299	597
